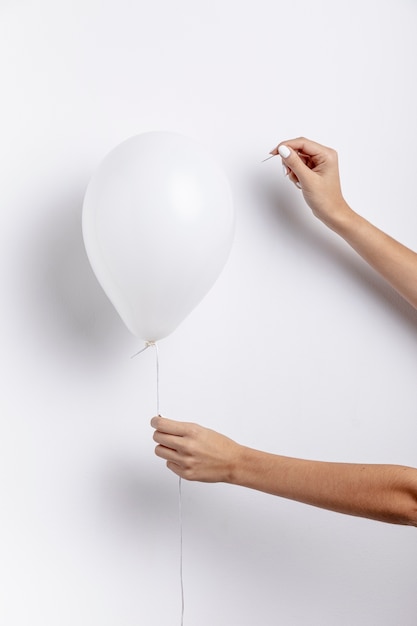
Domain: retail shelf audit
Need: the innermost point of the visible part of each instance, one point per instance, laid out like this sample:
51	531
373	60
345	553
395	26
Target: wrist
247	466
238	467
340	218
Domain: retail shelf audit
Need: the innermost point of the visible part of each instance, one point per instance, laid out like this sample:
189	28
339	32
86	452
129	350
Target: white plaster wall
299	349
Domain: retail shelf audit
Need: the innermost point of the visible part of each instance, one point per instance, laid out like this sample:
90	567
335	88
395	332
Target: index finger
169	427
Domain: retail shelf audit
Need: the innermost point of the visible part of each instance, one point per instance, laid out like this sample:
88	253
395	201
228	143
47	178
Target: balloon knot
148	344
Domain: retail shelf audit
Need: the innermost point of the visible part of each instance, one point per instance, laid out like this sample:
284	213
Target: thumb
292	160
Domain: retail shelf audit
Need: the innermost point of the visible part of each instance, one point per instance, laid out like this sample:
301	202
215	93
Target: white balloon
158	223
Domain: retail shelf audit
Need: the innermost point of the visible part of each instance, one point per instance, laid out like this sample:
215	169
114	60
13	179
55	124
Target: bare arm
387	493
315	169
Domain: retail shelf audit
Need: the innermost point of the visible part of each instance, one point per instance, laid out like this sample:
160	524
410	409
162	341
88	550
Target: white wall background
299	349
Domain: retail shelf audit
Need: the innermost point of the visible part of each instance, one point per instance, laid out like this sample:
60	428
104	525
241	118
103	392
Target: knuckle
193	429
188	473
190	449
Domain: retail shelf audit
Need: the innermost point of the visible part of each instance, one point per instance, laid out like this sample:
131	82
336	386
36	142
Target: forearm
396	263
385	493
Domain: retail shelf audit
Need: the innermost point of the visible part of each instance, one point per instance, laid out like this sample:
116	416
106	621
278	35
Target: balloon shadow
67	304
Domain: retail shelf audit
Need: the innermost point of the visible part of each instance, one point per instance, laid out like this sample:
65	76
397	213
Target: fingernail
285	169
298	184
284	151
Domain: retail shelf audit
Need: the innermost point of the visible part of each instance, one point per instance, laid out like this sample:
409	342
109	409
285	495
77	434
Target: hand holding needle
281	151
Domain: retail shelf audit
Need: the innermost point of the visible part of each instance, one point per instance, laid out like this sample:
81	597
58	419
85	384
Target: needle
301	154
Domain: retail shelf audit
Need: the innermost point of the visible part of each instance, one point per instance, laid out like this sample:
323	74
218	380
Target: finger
296	164
177	469
167	453
171	427
168	441
293	178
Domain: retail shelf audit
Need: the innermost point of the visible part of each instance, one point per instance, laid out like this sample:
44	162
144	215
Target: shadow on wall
282	212
131	498
69	310
71	314
242	540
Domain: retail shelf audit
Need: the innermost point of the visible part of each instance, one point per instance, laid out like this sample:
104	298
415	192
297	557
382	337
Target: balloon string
157	378
145	347
181	550
155	345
